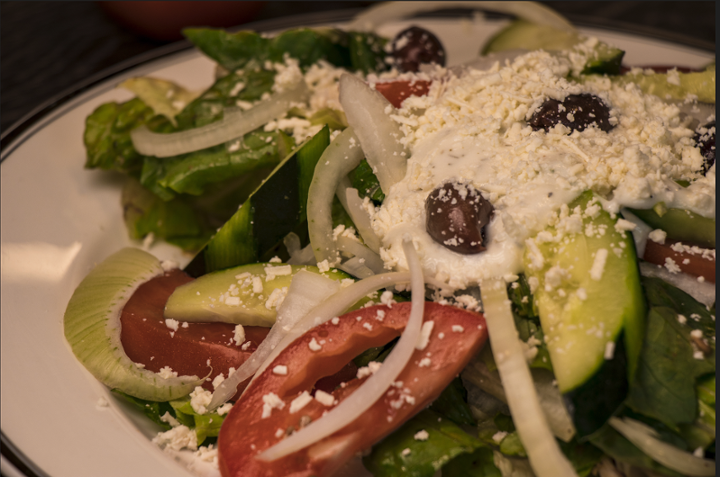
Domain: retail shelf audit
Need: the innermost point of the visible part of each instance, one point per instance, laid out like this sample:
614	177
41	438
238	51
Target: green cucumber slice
92	327
680	224
272	211
228	295
584	302
522	34
676	87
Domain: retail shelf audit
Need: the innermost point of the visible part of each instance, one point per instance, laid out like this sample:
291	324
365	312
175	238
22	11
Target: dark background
47	48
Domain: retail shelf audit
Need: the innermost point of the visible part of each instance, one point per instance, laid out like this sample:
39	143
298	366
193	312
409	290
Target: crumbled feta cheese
658	236
598	266
324	398
424	337
421	435
167	373
172	324
239	336
300	402
280	370
457	329
200	399
314	346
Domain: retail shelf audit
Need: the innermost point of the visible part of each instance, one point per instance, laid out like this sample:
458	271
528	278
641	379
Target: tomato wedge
456	336
397	91
691	260
198	349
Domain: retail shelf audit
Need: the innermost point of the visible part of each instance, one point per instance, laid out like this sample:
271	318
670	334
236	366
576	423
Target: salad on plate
504	267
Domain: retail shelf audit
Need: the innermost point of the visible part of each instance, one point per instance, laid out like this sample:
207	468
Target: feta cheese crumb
172	324
424	338
424	363
405	452
280	370
300	402
658	236
224	409
457	329
233	301
609	350
335	320
499	436
271	401
272	272
239	337
167	373
323	266
324	398
598	266
218	380
387	299
421	435
180	437
314	346
200	399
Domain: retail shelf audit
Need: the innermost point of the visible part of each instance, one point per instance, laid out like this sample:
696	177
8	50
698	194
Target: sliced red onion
306	291
340	157
646	439
390	11
368	112
235	123
542	449
375	386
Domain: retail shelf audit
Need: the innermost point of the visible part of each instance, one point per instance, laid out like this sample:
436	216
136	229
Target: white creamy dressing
474	129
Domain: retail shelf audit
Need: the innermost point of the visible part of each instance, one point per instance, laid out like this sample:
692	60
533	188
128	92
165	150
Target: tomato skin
397	91
146	338
696	265
245	433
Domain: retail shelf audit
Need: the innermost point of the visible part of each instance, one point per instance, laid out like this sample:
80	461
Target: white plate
58	221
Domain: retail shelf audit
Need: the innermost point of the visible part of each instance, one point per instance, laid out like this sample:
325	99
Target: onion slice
670	456
375	386
234	124
542	449
367	111
386	12
354	206
306	291
340	157
352	247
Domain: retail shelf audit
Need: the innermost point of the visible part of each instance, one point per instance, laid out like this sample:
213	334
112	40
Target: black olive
576	111
415	46
456	216
705	139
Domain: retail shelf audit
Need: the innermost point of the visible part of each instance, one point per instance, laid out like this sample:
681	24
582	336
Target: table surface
48	47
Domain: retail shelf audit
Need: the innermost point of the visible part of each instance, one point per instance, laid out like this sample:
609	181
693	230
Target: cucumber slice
522	34
676	86
584	300
274	210
92	327
680	224
230	295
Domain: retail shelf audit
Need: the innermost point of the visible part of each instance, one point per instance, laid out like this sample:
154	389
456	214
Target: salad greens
237	202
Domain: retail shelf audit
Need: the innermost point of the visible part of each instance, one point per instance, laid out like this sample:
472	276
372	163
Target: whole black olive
456	215
576	111
705	140
415	46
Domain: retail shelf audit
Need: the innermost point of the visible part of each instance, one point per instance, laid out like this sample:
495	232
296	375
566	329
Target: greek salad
504	267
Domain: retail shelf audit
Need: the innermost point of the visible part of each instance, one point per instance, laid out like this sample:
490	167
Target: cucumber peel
680	224
587	291
92	327
228	295
676	86
521	34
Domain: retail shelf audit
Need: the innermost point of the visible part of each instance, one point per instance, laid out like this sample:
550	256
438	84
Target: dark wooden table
48	47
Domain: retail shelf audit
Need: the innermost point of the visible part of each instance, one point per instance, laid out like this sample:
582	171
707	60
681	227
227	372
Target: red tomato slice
245	433
197	350
397	91
691	263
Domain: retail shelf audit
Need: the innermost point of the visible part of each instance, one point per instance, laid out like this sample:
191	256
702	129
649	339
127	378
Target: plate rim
34	121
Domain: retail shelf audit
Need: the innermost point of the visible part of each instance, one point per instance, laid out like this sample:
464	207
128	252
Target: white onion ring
367	111
390	11
542	449
235	123
375	386
352	247
354	206
340	157
670	456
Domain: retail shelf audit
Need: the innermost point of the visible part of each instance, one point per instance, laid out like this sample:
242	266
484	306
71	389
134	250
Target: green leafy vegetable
233	51
154	410
403	454
205	425
479	463
668	369
164	97
364	180
452	404
174	221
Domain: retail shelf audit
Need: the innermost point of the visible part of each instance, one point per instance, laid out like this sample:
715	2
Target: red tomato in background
165	20
245	433
397	91
200	349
